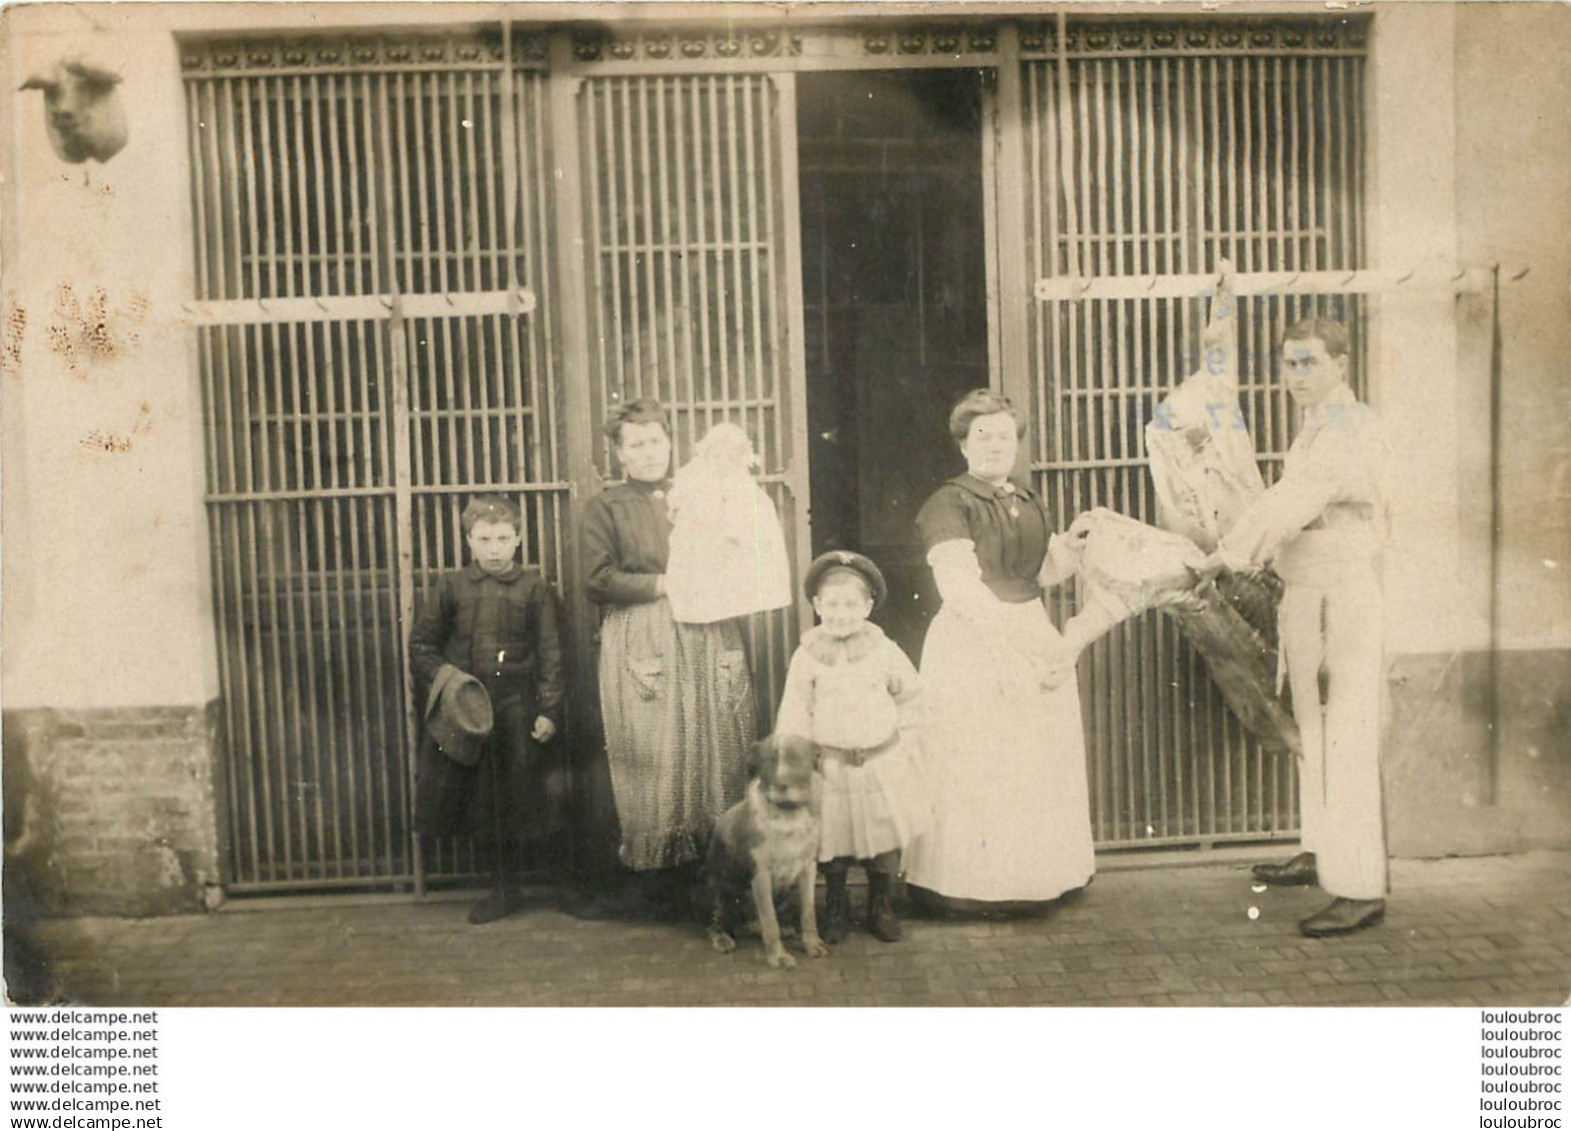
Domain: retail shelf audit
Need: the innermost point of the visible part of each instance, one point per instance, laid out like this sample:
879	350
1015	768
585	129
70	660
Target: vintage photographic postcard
1115	443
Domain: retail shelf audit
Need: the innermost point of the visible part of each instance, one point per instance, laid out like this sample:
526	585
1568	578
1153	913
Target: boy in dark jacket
498	621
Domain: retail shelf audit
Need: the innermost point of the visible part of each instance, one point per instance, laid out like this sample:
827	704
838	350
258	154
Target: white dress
728	552
857	699
1007	758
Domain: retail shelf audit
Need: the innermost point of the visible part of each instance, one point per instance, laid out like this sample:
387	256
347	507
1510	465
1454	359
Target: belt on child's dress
857	756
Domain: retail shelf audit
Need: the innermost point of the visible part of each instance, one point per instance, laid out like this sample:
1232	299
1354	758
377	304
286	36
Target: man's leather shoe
1297	871
1343	917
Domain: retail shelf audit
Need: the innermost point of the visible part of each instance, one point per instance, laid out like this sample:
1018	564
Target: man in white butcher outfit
1321	526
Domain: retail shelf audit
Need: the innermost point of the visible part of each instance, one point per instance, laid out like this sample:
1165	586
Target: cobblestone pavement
1488	931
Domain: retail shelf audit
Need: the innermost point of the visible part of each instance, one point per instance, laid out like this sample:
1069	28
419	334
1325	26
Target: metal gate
374	286
381	331
1150	151
692	239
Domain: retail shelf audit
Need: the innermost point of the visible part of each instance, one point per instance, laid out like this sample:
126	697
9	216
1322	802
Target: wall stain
89	332
98	440
117	442
12	334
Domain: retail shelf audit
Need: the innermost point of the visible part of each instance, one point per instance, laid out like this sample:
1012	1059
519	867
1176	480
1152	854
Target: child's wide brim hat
458	715
825	564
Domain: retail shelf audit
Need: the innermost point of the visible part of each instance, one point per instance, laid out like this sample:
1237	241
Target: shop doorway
895	305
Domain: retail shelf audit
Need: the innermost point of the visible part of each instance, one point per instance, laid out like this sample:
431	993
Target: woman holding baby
1003	736
676	693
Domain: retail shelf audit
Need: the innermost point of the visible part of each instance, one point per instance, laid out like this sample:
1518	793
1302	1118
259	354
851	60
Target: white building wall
106	590
1513	175
1415	384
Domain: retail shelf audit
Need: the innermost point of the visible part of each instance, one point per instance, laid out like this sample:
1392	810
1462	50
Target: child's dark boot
837	906
881	919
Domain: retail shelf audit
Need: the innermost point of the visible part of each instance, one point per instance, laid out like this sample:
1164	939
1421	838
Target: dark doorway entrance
894	290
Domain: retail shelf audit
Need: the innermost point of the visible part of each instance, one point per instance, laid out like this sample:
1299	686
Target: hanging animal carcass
1203	465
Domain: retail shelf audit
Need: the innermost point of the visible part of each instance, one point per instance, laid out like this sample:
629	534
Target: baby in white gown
728	553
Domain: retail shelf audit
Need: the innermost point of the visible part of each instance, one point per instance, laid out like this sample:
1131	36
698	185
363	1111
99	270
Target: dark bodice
1009	526
627	540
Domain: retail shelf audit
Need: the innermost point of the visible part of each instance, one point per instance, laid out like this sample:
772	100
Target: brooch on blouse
1009	489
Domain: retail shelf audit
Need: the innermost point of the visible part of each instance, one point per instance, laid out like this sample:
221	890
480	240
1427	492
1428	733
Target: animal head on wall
82	110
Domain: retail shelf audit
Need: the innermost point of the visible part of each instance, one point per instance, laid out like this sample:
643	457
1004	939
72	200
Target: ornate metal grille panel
373	266
1157	151
687	275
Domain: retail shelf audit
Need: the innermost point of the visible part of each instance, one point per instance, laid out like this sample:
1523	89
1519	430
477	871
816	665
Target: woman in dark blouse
677	699
1003	735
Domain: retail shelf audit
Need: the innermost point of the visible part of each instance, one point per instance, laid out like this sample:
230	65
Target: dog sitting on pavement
765	845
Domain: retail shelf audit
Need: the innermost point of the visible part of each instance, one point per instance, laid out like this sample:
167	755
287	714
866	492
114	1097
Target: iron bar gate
382	328
1151	150
374	286
692	237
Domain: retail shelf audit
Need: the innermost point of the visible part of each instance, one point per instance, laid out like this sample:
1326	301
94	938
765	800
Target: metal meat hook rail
1465	280
356	308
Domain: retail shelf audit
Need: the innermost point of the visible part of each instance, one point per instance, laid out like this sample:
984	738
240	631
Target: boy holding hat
490	632
853	692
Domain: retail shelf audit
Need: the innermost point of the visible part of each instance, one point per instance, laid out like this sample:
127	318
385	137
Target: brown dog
767	843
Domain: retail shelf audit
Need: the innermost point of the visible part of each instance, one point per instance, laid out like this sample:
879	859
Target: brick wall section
110	811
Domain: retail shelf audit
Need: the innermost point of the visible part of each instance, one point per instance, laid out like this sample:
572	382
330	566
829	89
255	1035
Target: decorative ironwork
1038	39
688	300
345	425
937	40
1129	205
1145	37
478	50
603	45
625	45
531	46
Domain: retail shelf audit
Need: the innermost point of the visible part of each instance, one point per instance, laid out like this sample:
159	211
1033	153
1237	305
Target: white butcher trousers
1332	615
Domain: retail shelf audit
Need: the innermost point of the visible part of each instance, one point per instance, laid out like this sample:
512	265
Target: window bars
1151	153
373	303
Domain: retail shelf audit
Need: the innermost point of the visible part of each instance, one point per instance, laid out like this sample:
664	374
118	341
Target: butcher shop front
423	261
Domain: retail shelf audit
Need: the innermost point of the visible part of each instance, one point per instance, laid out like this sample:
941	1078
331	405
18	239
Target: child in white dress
728	553
854	693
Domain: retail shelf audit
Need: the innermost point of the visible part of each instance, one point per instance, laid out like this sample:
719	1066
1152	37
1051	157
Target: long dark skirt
677	700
